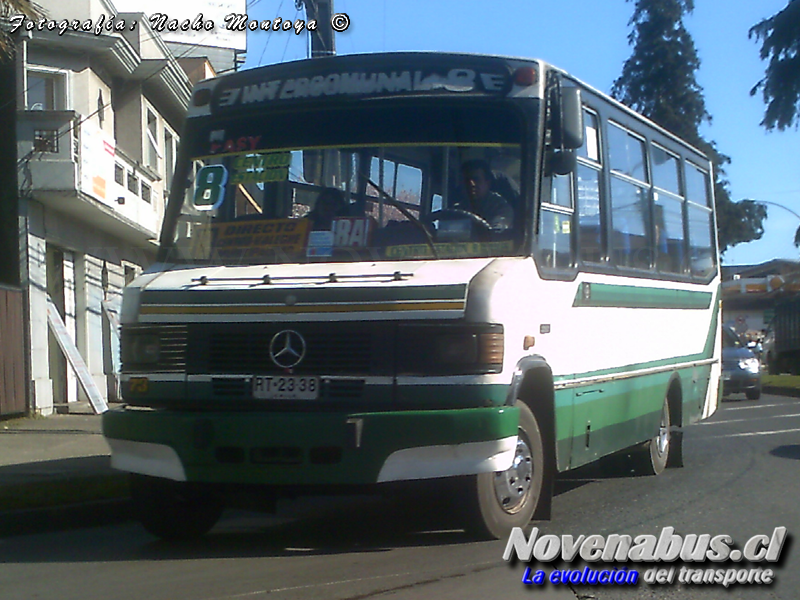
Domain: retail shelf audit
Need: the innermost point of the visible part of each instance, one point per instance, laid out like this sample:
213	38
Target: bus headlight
455	348
450	350
141	349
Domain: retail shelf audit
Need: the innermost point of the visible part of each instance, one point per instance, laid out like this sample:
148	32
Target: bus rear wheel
500	501
173	510
655	455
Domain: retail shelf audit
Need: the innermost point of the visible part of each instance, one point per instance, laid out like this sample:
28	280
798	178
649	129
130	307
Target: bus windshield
392	182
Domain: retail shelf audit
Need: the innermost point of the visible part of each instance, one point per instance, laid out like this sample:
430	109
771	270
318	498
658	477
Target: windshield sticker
454	250
345	232
320	243
261	168
244	143
209	192
252	239
352	232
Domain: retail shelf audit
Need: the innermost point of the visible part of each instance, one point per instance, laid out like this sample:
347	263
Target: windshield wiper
408	215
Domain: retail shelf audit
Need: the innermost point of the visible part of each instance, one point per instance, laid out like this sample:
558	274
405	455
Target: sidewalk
55	473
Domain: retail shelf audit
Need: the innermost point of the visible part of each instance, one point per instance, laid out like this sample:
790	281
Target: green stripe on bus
630	296
620	414
204	295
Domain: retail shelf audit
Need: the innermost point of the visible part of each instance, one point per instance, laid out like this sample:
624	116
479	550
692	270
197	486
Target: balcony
69	164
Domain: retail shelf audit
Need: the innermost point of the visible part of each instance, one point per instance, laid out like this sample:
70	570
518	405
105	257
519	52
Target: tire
675	459
753	394
655	455
174	510
500	501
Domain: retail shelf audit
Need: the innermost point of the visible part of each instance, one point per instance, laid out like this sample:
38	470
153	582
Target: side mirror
562	162
569	134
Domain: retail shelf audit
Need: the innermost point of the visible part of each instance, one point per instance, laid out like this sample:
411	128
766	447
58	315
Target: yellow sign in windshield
252	238
261	168
452	250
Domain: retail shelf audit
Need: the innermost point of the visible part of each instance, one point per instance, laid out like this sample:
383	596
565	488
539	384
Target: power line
269	35
288	38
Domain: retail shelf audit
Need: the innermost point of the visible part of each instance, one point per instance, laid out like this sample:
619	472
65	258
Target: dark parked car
741	370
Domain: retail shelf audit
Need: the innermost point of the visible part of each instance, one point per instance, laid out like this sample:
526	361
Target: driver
481	200
329	205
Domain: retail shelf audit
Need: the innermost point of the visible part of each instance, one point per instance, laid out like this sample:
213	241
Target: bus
401	267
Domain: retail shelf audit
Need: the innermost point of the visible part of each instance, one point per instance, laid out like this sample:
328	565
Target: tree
658	80
9	8
9	211
780	87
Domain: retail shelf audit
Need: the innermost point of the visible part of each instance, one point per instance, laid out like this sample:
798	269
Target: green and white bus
394	267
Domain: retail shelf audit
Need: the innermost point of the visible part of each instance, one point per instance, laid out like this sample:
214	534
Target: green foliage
9	8
780	87
658	80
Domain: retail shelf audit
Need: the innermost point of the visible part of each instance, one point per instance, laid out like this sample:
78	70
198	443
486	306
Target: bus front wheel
500	501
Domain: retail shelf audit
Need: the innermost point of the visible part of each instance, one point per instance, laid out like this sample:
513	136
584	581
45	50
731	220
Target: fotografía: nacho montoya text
666	547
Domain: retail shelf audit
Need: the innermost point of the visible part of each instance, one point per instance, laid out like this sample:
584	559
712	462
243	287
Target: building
98	127
750	293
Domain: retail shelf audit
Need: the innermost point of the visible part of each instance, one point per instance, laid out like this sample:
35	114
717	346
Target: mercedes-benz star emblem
287	348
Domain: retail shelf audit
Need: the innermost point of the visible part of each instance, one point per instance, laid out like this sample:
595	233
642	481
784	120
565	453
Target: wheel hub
663	433
512	487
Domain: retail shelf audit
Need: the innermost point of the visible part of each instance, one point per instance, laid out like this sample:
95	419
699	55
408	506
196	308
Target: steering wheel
458	213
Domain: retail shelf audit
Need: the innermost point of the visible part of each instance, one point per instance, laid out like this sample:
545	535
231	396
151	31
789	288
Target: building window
153	152
169	157
101	108
119	174
45	91
45	140
145	192
133	183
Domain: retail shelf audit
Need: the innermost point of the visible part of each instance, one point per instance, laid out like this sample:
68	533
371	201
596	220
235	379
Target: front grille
331	349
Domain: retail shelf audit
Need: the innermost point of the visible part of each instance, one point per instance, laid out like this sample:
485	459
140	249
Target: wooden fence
12	352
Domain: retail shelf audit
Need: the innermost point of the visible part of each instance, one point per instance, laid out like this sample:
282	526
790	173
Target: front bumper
310	449
739	381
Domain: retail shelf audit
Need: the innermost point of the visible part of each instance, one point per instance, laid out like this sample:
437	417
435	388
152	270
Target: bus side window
588	193
590	227
555	225
668	211
631	242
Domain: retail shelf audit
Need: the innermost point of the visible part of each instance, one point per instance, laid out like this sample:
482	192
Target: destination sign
366	83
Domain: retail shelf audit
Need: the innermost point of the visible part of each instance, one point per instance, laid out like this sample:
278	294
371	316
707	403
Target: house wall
84	230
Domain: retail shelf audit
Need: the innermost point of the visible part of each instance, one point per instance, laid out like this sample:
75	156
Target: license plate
285	387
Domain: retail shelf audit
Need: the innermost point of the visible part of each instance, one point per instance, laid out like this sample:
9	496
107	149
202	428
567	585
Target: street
740	480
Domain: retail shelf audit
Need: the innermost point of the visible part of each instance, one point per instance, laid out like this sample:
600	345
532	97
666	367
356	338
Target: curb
69	516
781	391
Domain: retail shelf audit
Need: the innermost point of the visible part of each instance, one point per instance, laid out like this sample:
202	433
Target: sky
589	39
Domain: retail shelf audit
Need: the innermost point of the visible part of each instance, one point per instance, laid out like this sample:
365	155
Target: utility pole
322	41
